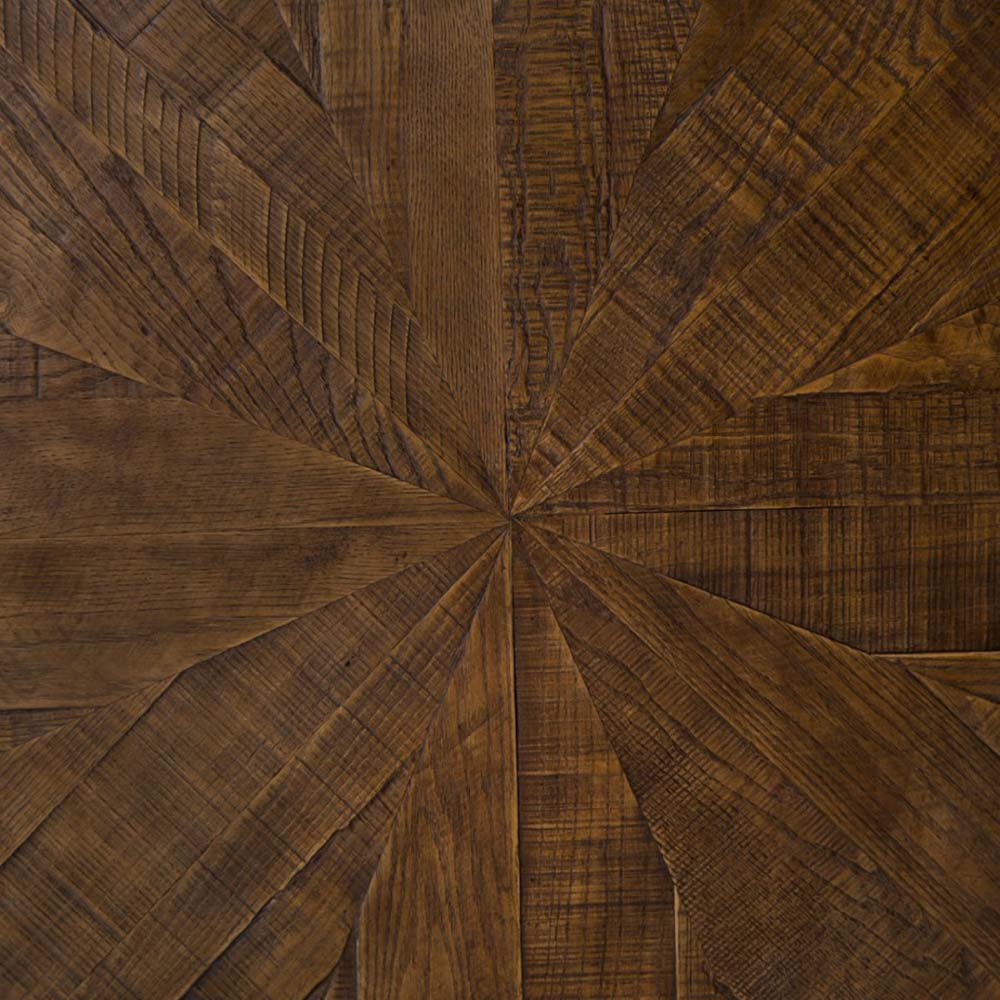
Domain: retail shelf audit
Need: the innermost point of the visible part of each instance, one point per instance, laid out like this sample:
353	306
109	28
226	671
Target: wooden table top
500	501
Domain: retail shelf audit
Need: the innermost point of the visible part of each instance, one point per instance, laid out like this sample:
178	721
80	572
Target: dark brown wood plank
237	763
409	88
883	579
131	288
804	181
579	84
829	449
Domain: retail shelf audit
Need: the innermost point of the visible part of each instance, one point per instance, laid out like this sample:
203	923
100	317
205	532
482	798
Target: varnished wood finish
499	501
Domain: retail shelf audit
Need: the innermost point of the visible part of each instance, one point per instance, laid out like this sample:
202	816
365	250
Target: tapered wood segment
579	84
697	326
694	981
264	25
499	501
968	683
149	300
278	718
822	450
39	773
456	830
409	88
149	466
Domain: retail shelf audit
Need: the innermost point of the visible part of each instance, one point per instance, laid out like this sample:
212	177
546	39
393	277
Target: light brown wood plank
150	466
596	897
421	932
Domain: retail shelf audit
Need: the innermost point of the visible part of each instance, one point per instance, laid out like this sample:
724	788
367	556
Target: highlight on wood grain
499	501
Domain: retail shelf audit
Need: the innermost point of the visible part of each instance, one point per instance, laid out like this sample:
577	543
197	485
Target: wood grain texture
421	932
829	449
883	579
499	501
694	981
787	690
212	174
146	466
748	828
264	796
409	87
579	84
819	198
596	898
967	683
210	336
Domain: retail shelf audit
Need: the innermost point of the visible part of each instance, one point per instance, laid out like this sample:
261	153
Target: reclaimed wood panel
499	501
680	703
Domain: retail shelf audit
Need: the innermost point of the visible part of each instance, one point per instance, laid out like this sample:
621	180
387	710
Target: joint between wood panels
615	556
421	752
224	948
167	684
